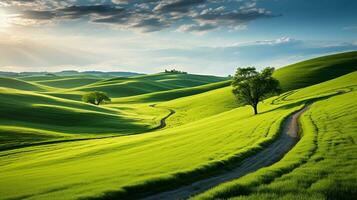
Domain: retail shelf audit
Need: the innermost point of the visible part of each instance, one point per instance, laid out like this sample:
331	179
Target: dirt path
268	156
163	120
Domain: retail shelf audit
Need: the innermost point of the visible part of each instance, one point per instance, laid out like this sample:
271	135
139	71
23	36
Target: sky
198	36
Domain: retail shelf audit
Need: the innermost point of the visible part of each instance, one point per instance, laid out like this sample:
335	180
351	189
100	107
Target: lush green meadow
323	163
53	146
40	109
111	164
316	70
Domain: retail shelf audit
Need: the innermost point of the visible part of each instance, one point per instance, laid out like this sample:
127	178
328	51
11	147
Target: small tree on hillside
95	97
250	86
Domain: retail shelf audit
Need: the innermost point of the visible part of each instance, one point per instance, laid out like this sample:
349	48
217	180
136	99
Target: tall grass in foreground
321	166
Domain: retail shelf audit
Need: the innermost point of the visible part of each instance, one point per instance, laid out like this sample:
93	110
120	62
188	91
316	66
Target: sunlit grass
161	159
322	165
208	134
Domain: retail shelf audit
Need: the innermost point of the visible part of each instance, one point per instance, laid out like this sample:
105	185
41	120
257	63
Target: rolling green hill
322	165
123	87
39	78
172	94
20	85
197	107
31	116
48	112
169	157
316	70
71	82
52	146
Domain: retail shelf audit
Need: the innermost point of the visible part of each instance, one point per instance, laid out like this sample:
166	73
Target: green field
321	165
316	70
53	146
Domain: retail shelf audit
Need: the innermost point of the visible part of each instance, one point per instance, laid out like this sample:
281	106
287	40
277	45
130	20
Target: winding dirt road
268	156
163	120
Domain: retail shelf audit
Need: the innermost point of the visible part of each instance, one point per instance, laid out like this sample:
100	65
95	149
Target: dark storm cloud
151	15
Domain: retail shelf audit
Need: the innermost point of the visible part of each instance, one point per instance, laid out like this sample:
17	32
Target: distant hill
69	73
316	70
18	84
97	73
125	87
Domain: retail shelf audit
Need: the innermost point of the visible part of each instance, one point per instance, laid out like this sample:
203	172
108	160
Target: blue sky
198	36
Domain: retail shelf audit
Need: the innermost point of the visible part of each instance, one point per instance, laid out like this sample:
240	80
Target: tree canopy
95	97
250	86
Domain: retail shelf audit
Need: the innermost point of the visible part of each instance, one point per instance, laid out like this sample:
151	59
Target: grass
145	88
38	117
316	70
172	94
18	84
36	78
45	111
321	166
207	135
71	82
197	107
118	167
111	164
124	87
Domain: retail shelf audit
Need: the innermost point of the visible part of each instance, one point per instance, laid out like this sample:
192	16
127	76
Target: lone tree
95	97
250	86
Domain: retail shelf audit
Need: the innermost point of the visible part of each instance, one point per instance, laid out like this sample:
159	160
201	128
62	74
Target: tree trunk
255	106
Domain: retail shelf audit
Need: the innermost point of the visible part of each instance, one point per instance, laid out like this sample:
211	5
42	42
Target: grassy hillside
34	117
316	70
197	107
71	82
20	85
48	113
100	163
321	166
172	94
168	157
123	87
68	150
66	73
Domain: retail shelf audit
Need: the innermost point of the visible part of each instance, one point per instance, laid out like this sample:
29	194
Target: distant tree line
174	71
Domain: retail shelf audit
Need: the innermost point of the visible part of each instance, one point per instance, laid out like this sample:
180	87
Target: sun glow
4	20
